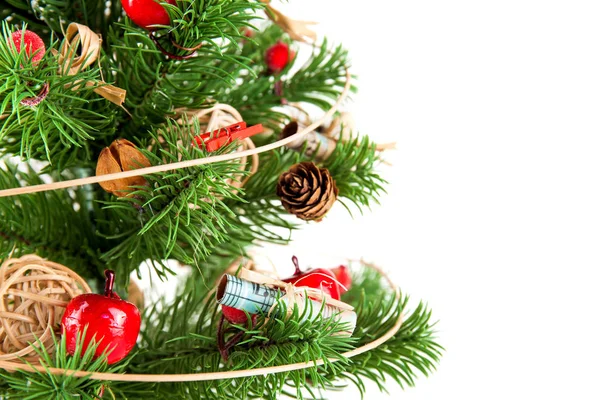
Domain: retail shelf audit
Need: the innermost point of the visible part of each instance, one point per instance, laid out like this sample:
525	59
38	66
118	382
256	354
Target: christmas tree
139	134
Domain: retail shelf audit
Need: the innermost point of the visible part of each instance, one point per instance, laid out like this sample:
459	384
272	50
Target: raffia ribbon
298	30
79	35
292	292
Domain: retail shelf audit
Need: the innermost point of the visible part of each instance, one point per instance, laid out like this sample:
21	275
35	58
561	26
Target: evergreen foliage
194	216
181	337
43	385
59	129
56	225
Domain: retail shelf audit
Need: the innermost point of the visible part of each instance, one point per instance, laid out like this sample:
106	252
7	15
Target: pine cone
307	191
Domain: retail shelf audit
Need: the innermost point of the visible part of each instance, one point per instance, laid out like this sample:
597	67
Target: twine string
292	292
181	164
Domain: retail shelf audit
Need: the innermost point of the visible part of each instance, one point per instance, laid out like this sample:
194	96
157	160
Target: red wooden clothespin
215	140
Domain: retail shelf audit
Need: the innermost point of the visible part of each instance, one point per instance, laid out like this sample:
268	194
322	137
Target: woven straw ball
33	295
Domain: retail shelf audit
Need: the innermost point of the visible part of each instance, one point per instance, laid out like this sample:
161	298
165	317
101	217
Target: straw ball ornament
33	295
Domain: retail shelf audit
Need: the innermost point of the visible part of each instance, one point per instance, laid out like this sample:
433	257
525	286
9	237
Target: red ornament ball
34	45
278	57
319	278
146	13
234	315
113	322
342	274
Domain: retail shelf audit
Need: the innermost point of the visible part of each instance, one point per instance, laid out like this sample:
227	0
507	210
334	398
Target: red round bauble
34	45
146	13
318	278
278	57
113	322
343	276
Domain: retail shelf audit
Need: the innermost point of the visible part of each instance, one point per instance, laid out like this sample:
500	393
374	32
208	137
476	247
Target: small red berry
146	13
34	45
278	57
234	315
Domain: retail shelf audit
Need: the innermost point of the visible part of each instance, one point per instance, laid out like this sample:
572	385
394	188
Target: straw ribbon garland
298	30
182	164
79	35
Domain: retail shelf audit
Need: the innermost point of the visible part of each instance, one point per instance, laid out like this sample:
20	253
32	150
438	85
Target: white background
493	212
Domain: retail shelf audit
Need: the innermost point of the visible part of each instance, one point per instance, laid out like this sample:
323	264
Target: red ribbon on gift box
213	141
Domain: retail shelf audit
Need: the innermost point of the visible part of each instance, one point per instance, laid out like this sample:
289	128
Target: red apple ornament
278	57
319	278
34	45
113	322
146	13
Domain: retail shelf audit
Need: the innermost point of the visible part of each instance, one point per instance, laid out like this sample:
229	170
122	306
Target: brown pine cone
307	191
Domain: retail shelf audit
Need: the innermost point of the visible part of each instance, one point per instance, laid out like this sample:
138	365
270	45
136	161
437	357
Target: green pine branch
181	338
180	214
353	165
57	14
210	21
60	128
319	81
55	225
157	86
412	351
192	213
43	385
20	13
